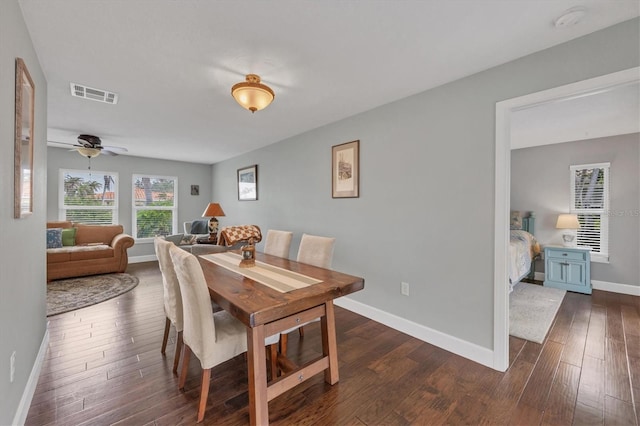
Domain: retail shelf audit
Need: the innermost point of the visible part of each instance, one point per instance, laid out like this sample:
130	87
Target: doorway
504	110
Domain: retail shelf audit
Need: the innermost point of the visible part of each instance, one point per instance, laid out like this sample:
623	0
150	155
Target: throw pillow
69	236
516	220
54	238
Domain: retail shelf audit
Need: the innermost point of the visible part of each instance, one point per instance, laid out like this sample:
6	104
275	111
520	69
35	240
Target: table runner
278	279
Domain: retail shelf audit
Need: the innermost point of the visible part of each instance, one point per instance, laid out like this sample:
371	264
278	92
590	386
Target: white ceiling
607	113
173	62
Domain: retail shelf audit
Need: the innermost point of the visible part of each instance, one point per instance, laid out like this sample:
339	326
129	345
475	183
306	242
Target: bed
524	249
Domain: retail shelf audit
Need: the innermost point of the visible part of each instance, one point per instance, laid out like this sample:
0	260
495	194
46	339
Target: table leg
330	344
257	362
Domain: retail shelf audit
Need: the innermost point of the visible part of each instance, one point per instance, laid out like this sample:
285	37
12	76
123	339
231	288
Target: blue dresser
568	268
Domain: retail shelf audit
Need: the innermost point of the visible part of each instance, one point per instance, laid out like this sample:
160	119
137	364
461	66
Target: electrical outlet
12	368
404	288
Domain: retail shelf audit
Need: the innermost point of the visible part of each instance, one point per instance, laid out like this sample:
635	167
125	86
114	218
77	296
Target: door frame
504	109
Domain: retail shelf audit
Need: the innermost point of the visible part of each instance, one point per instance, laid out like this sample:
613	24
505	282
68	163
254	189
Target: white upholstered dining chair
317	251
213	337
278	243
172	297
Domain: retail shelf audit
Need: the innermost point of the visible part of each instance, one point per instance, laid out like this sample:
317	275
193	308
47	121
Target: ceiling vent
80	91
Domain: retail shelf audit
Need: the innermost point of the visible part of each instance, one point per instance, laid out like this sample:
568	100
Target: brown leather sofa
98	249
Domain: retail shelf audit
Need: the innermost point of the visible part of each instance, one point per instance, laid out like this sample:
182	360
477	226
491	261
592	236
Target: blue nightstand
568	268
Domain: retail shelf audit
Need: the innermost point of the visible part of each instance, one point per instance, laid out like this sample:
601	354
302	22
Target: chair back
199	328
172	296
316	251
278	243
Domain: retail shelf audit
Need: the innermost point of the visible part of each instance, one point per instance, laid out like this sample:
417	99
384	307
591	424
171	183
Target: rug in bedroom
532	309
75	293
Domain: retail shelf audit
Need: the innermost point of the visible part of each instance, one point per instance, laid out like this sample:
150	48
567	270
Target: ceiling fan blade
115	148
108	152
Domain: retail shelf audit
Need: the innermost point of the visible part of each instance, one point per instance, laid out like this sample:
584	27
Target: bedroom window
590	201
88	197
155	206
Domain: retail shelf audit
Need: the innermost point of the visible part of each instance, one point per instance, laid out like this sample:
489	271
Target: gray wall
426	210
189	206
540	182
22	264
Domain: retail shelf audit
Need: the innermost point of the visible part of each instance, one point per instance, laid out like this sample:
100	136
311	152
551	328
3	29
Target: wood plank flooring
104	366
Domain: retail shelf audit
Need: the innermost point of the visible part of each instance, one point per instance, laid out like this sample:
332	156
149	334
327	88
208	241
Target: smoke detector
570	17
99	95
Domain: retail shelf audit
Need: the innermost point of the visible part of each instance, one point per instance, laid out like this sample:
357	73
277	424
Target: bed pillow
54	238
69	237
516	220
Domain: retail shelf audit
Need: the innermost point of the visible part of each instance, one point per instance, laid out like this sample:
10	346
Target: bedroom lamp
213	210
569	223
252	94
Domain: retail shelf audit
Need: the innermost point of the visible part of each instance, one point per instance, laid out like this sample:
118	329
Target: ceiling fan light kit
88	152
251	94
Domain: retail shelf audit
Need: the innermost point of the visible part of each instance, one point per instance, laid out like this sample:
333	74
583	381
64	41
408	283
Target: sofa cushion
54	238
69	237
97	233
60	224
67	254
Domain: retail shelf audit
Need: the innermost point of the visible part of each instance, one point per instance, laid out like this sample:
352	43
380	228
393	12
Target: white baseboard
633	290
449	343
30	388
140	259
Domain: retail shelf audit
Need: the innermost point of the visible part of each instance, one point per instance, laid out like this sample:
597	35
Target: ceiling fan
90	146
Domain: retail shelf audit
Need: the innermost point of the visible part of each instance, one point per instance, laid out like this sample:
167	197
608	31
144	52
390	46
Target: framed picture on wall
248	183
345	170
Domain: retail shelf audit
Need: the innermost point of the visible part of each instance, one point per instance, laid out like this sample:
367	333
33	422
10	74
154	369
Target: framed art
23	150
248	183
195	189
345	170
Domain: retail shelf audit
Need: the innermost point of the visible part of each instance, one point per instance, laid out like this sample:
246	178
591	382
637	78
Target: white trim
502	188
633	290
32	382
145	258
449	343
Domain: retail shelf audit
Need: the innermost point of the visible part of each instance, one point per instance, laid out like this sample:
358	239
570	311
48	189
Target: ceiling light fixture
88	152
252	94
570	17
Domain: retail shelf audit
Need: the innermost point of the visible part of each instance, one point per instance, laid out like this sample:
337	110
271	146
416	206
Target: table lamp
213	210
569	223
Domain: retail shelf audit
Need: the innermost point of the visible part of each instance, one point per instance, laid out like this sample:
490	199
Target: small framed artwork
248	183
195	189
345	170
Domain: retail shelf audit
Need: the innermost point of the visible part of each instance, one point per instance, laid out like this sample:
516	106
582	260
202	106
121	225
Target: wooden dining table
266	311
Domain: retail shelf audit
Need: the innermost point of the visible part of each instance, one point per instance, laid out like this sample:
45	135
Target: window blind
590	201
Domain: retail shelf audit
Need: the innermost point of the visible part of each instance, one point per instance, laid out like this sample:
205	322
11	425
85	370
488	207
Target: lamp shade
568	221
252	94
212	210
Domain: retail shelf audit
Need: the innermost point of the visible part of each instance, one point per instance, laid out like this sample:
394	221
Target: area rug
75	293
532	309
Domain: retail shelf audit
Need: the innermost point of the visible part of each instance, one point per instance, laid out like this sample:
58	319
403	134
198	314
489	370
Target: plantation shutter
590	201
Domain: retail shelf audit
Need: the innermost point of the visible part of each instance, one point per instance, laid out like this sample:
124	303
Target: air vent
80	91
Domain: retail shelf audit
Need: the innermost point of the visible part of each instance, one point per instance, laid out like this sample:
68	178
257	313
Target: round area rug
75	293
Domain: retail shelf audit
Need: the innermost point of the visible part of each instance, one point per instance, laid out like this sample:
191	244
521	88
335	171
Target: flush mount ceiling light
252	94
570	17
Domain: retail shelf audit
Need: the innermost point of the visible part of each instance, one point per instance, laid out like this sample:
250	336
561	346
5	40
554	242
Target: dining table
275	295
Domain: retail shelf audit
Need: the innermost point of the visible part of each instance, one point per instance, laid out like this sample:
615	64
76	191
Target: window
88	197
155	205
590	201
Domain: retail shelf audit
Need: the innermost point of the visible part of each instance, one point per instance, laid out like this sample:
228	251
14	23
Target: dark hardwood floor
104	366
